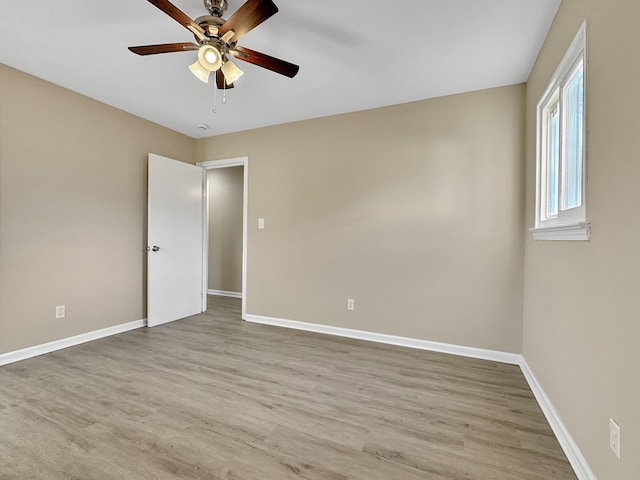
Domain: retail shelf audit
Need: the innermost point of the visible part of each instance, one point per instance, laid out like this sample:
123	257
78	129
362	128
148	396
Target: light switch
261	223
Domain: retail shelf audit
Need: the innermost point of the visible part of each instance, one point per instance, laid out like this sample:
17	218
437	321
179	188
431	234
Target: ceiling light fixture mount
216	7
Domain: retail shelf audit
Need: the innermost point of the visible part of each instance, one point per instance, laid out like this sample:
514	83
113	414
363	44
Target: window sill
577	232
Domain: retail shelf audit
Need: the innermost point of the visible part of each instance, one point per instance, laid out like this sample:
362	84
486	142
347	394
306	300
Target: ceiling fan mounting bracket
216	7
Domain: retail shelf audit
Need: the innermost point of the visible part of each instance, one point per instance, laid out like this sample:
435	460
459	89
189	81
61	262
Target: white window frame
568	224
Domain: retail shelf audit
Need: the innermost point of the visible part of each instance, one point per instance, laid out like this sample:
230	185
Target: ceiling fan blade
163	48
248	16
220	81
265	61
179	16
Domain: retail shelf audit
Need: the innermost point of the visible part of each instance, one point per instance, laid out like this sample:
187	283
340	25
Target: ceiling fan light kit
217	40
209	60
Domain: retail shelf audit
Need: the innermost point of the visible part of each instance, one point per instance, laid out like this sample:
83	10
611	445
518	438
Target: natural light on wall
561	150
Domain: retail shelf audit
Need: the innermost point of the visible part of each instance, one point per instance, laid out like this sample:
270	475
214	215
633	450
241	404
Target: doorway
225	259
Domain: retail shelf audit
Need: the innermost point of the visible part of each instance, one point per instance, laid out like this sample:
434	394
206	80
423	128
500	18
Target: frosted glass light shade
200	72
209	60
231	72
209	57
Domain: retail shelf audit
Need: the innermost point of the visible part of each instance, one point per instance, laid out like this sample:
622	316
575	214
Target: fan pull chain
224	92
215	108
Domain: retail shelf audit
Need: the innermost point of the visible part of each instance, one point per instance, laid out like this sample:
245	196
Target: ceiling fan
217	40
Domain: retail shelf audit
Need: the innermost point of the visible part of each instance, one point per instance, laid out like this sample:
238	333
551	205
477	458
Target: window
560	189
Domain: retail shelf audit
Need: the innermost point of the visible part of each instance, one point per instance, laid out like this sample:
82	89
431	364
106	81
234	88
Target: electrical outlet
60	311
351	304
614	437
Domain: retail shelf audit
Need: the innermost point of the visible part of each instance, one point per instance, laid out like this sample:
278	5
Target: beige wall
582	307
225	228
415	211
72	210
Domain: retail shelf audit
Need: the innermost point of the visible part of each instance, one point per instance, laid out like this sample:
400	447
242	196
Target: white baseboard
571	450
494	355
30	352
225	293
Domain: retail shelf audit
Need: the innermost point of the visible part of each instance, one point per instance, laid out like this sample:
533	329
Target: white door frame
211	165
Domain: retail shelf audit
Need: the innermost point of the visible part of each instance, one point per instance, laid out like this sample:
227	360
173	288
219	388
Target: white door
175	254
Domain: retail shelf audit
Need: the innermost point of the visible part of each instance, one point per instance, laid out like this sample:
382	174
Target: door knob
155	248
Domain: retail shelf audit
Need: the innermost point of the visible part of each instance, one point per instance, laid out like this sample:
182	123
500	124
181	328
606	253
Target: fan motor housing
211	24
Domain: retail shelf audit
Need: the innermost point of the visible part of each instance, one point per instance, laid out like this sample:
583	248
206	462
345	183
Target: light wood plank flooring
212	397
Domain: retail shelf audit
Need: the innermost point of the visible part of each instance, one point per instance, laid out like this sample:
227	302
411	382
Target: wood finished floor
212	397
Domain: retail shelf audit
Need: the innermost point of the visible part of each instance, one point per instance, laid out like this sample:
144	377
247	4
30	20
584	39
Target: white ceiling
353	55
